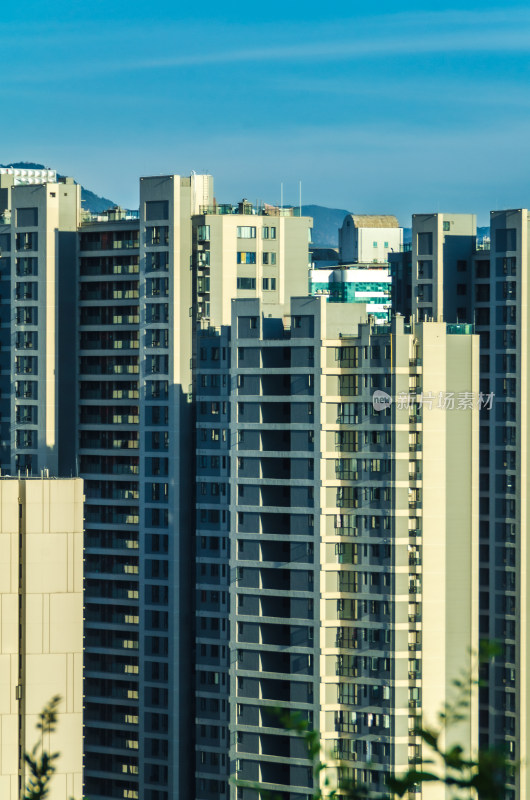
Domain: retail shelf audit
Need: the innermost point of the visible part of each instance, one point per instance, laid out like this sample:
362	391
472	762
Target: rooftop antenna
281	195
300	189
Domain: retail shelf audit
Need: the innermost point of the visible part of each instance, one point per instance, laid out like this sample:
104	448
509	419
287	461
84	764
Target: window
347	356
156	209
27	241
26	290
157	235
425	269
27	217
273	233
506	266
269	259
348	414
25	439
482	269
246	283
25	365
156	261
246	232
348	385
505	239
446	225
26	389
273	284
346	468
375	244
346	440
157	287
425	244
203	233
246	258
386	245
26	266
424	292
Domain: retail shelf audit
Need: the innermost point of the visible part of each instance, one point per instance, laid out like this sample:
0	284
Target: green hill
91	201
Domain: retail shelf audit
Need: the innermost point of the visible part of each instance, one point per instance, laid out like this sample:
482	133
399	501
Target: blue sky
390	109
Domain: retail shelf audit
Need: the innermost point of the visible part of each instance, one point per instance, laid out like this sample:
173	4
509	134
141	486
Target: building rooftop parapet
205	328
116	214
374	220
382	265
30	175
244	207
464	328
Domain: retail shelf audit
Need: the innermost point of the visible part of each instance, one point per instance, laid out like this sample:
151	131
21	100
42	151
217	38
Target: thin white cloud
508	41
502	30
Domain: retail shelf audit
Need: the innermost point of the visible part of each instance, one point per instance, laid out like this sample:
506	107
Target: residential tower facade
336	514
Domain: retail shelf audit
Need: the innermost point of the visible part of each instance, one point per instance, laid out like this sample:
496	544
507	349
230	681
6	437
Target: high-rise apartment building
135	299
499	286
107	452
456	279
336	543
101	346
194	257
442	246
246	251
44	222
41	648
167	204
37	317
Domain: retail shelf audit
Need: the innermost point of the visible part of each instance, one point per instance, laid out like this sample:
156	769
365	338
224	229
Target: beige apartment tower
399	539
245	252
42	253
41	642
353	530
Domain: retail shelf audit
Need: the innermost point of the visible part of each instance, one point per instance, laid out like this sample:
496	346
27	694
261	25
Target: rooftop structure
26	175
355	283
369	238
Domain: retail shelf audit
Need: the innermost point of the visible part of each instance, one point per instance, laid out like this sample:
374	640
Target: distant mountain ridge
91	201
326	221
326	224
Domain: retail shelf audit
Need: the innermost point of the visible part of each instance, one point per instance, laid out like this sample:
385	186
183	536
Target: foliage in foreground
480	778
468	778
41	763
